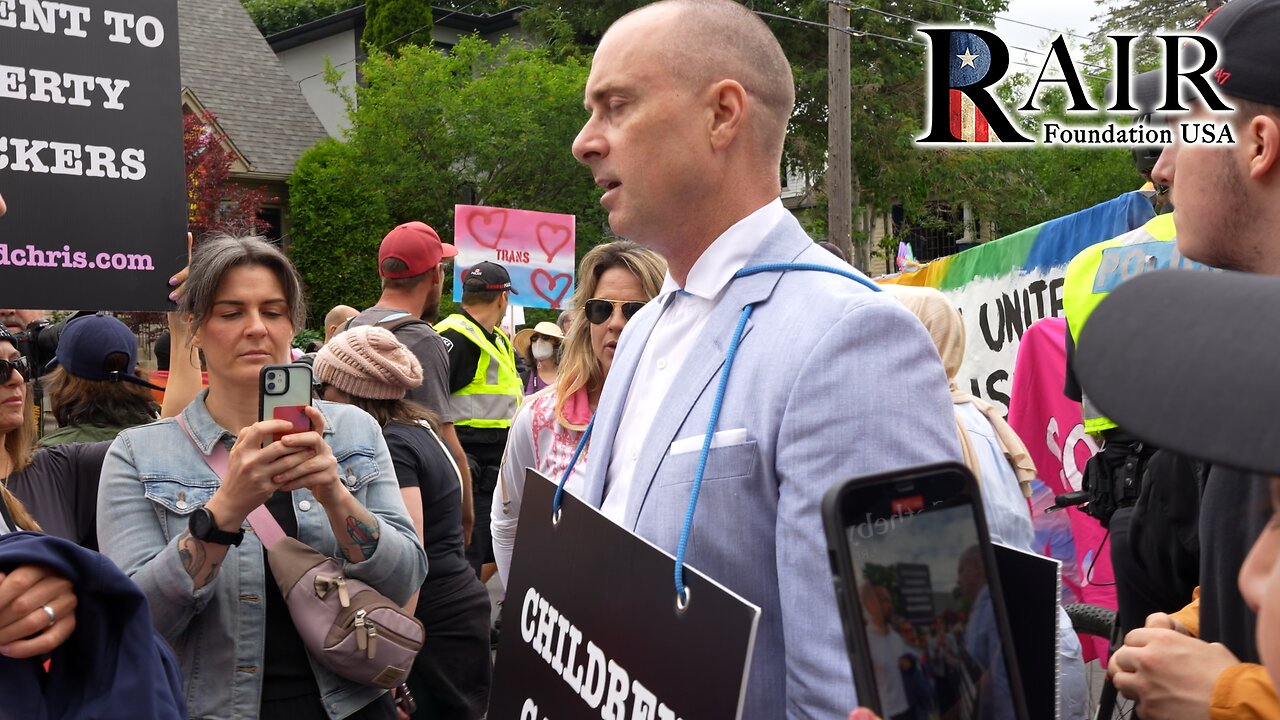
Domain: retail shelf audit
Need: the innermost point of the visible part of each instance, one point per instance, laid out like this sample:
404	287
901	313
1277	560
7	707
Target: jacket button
305	505
182	504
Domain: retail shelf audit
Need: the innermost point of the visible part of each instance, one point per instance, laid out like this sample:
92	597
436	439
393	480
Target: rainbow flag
1004	286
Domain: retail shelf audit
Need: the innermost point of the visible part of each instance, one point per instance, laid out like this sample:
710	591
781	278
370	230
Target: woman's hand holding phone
251	472
317	468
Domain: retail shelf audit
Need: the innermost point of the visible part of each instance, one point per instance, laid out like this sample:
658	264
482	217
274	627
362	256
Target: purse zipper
362	638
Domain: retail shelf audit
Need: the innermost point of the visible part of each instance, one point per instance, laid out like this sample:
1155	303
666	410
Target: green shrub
273	16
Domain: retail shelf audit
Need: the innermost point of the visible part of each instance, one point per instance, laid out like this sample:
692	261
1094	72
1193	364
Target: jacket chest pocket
175	499
723	463
357	468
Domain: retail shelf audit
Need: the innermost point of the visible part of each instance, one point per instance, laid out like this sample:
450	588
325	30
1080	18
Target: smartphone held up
921	604
284	393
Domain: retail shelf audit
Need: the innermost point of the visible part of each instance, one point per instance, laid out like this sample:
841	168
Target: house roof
353	18
229	66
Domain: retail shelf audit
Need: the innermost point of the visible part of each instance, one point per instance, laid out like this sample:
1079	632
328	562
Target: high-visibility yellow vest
1100	268
491	398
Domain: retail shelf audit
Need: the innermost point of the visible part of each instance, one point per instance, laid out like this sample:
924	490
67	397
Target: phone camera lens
271	386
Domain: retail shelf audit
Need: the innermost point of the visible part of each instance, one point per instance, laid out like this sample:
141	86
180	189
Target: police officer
485	391
1148	498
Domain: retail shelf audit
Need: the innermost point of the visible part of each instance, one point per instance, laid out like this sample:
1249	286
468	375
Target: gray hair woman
176	527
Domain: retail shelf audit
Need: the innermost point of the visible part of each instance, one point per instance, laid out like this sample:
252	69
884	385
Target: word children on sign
91	158
594	628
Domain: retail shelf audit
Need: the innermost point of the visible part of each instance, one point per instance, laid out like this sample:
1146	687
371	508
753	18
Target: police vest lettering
1101	268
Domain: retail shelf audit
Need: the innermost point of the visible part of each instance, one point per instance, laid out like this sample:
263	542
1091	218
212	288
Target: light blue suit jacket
831	381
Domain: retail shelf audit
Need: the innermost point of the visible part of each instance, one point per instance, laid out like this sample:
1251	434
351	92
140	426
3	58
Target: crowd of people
422	428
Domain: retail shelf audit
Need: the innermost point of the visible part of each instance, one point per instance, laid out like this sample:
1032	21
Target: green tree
485	125
392	24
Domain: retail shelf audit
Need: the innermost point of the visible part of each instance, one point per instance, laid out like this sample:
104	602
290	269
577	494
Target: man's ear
1262	138
728	100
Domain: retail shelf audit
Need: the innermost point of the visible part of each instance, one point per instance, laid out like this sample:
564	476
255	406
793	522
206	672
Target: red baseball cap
416	245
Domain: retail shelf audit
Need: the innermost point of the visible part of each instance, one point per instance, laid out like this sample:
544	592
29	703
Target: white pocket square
736	436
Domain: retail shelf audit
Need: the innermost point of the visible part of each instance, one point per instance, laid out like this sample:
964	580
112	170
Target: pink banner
1051	426
536	249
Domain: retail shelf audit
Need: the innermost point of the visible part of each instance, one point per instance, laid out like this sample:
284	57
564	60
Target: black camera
39	343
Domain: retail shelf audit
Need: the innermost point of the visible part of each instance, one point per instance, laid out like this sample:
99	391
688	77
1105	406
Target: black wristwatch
204	527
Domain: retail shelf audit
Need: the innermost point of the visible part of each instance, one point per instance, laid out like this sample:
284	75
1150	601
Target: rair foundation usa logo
966	64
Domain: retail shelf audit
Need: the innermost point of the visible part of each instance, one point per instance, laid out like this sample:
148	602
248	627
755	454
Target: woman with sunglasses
25	633
177	527
58	486
614	281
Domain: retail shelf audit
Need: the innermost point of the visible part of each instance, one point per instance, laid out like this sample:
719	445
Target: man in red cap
412	280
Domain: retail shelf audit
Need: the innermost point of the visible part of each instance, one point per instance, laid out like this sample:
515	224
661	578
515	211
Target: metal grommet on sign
555	517
682	600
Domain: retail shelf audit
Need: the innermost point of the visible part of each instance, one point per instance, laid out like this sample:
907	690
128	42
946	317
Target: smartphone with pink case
284	392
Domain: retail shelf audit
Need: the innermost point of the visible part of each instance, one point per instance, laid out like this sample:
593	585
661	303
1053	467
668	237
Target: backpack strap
264	525
404	319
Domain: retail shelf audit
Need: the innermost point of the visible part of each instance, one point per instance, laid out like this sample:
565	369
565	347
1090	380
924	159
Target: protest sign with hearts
537	250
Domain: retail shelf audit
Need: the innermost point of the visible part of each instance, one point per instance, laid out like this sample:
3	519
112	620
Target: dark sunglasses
599	310
319	388
22	365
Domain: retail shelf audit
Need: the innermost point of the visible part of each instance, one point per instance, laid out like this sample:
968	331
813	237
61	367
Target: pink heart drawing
541	278
487	226
552	239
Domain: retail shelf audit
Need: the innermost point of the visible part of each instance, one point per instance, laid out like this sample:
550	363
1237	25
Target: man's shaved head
337	317
705	41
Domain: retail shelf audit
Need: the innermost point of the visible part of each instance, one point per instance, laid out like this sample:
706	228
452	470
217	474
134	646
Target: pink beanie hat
368	362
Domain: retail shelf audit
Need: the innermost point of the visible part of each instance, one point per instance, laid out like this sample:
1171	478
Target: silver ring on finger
53	616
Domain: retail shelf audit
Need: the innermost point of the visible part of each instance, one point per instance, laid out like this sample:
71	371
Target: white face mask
543	349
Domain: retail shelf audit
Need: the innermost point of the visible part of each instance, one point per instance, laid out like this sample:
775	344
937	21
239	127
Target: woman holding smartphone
177	528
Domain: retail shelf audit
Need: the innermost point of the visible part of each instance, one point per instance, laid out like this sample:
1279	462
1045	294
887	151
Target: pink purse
346	625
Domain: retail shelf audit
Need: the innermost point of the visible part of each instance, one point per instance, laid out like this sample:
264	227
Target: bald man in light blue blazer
689	103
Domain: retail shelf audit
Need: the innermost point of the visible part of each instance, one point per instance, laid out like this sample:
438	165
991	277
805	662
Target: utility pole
839	160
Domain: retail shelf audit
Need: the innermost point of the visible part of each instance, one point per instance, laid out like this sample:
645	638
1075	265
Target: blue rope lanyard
682	591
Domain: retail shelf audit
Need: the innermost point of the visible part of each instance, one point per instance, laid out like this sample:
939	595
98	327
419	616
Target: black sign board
591	628
91	158
1032	602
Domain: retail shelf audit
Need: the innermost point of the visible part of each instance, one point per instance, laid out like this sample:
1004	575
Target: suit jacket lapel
699	375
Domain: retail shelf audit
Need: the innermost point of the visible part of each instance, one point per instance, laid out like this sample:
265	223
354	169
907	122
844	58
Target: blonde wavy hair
579	366
20	444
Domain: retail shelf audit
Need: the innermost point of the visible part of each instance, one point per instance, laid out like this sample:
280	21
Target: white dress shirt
684	315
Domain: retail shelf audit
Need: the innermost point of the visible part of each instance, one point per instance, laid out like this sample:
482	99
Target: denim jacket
153	478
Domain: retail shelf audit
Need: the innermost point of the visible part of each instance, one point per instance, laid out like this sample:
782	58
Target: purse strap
263	523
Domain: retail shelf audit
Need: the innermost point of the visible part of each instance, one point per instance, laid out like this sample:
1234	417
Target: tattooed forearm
196	560
363	536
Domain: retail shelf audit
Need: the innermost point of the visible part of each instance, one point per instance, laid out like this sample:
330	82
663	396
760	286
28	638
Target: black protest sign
591	628
91	159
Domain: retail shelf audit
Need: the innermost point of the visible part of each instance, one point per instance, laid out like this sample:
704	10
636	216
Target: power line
1008	19
850	32
389	43
851	6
